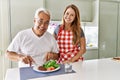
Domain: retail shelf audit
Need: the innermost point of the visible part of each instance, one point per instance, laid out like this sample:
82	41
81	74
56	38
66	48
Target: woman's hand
68	61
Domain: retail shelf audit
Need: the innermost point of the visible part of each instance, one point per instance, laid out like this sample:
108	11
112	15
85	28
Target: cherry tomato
50	68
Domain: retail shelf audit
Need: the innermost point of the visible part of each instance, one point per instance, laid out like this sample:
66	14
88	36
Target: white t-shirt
27	43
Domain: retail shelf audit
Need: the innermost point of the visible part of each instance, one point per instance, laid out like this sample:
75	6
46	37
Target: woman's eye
67	13
72	15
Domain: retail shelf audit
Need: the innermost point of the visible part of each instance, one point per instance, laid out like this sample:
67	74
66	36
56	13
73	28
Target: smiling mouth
41	29
67	19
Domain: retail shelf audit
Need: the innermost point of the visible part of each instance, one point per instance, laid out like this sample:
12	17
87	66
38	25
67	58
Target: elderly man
34	45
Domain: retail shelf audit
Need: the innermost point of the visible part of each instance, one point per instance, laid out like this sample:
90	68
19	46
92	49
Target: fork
34	63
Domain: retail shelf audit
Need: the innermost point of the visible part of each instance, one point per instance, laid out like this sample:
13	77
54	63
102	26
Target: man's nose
42	24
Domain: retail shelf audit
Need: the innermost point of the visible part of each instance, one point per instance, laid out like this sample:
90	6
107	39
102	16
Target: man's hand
19	57
26	59
51	55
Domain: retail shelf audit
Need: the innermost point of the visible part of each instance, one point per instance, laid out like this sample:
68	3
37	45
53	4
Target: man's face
41	24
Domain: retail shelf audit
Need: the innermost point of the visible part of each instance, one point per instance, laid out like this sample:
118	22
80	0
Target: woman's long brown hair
75	26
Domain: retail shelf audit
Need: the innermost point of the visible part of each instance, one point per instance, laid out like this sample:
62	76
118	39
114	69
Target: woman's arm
82	49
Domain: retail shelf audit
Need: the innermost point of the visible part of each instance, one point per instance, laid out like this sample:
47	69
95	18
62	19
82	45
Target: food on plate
49	65
42	68
50	68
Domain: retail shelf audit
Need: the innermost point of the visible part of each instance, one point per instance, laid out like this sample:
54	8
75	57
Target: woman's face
41	24
69	16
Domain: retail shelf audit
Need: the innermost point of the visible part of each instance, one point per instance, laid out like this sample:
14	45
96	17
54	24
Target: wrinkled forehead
43	17
44	13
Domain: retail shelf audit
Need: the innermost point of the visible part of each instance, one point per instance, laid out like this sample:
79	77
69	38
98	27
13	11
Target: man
34	45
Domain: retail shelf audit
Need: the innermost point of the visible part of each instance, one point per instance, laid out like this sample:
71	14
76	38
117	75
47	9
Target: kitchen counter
97	69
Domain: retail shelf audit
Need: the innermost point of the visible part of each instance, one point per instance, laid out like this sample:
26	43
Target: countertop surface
97	69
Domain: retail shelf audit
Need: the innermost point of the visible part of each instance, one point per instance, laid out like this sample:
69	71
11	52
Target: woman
70	36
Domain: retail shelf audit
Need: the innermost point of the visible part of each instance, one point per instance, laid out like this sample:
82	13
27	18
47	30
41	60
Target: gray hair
38	11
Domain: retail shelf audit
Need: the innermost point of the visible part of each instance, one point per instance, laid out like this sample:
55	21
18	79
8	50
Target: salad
49	65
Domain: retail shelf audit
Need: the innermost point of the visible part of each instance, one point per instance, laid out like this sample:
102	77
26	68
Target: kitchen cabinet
91	53
57	7
118	44
109	26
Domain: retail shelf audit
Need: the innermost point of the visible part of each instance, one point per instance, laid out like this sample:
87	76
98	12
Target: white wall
22	14
4	36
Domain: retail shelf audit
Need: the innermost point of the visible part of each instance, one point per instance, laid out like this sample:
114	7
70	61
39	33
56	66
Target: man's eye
40	21
47	23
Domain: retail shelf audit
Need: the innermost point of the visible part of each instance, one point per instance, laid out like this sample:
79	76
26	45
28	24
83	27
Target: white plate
35	68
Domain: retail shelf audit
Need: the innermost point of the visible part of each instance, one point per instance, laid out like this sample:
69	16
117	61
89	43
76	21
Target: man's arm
18	57
13	56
